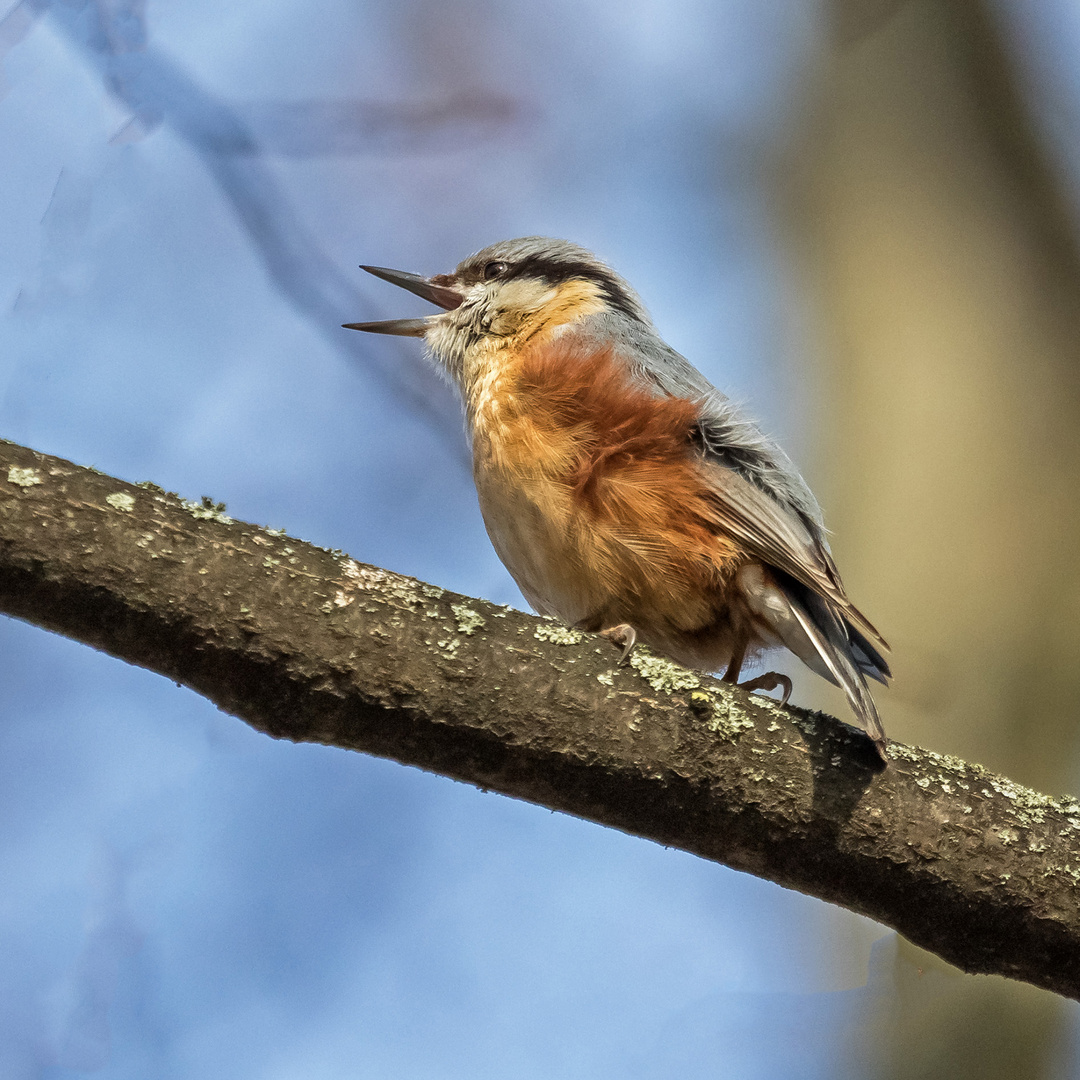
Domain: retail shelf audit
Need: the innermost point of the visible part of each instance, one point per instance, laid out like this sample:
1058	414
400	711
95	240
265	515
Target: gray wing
781	538
763	503
803	600
728	436
769	505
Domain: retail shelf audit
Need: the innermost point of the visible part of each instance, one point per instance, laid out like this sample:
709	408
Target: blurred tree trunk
943	285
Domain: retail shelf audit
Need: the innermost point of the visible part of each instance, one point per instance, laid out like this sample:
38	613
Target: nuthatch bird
623	492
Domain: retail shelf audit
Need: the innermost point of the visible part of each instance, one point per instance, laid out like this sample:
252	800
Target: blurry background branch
320	128
231	141
309	645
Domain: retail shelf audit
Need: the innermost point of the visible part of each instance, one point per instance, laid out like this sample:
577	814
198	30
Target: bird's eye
494	270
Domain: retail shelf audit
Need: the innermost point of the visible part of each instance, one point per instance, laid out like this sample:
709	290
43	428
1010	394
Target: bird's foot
769	681
623	634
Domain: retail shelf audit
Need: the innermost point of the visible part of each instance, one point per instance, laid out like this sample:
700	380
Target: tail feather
829	635
819	635
870	661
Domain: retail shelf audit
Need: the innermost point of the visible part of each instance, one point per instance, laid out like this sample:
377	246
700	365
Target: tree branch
309	645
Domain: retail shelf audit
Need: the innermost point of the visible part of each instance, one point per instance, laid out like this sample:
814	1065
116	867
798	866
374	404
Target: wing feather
760	501
780	538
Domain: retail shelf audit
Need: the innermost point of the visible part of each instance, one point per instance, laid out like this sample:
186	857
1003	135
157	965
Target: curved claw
623	634
769	681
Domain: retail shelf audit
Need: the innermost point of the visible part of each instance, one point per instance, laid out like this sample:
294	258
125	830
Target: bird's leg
623	634
769	681
731	675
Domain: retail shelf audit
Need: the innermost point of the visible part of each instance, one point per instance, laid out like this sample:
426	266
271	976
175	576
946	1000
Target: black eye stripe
556	271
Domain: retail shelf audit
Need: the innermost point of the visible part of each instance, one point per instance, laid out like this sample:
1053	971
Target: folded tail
819	635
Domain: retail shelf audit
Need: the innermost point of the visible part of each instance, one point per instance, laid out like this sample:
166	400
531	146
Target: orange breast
594	497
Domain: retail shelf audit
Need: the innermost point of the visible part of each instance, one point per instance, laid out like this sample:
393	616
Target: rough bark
309	645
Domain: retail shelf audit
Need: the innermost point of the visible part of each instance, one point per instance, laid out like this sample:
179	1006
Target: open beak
448	299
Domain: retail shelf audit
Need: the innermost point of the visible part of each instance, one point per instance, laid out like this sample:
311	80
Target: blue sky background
183	897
